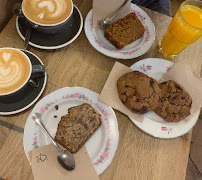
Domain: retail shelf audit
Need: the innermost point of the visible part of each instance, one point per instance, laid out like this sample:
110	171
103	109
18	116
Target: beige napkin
45	165
106	8
180	73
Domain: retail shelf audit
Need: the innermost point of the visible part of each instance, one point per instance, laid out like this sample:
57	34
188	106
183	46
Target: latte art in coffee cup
47	11
15	70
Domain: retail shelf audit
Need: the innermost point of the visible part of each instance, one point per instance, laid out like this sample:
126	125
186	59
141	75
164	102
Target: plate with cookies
125	38
164	106
75	117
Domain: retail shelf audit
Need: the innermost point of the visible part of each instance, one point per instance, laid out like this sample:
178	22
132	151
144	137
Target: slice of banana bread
77	126
124	31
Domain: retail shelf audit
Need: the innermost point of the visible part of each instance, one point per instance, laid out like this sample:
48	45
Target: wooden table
139	156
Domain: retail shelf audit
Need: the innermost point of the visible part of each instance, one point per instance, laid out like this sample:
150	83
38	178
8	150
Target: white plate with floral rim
154	124
135	49
101	146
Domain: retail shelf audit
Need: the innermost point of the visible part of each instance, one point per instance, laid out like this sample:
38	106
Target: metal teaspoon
65	158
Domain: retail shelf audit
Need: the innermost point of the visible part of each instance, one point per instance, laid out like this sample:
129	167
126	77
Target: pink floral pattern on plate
104	114
146	36
105	154
145	67
168	68
168	130
35	143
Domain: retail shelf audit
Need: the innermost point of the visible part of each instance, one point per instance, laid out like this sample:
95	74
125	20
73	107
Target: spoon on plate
27	36
17	10
34	82
65	158
104	23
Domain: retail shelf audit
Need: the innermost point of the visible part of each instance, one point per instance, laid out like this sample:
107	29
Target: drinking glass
184	29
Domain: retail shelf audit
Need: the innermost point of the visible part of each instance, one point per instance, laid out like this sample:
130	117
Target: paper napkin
45	165
106	8
180	73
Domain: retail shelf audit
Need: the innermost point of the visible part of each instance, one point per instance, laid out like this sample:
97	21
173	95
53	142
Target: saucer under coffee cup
44	15
16	70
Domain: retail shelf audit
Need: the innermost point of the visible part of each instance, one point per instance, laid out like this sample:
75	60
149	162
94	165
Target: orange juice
184	29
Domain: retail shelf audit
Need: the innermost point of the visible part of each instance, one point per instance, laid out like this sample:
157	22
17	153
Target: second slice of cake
124	31
77	126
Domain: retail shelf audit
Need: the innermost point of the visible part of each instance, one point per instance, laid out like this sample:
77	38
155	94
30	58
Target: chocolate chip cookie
174	102
138	92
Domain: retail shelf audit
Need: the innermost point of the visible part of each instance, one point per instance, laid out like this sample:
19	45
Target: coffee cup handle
37	71
17	10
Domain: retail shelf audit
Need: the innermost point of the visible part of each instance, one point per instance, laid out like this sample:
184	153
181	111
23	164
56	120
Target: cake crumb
56	107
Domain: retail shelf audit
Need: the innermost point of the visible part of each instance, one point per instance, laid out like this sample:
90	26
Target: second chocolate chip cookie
174	103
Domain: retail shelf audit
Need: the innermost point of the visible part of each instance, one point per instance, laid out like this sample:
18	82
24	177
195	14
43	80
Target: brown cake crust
77	126
138	92
124	31
174	103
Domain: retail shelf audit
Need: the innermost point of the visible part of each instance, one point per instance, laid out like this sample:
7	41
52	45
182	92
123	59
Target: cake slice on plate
124	31
77	126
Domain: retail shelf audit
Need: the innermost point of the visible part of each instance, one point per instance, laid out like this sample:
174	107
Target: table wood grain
139	156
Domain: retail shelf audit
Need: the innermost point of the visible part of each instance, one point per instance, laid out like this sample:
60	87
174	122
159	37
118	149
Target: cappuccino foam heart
47	11
14	70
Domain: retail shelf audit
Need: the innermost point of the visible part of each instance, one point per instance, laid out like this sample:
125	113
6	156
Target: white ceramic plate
101	146
135	49
154	124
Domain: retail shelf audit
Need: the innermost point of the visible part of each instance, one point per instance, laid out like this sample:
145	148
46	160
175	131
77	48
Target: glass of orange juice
184	29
